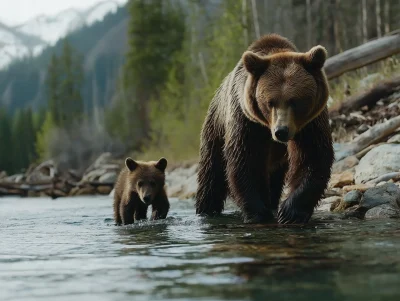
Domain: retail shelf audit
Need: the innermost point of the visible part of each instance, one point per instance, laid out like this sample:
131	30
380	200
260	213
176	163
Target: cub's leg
127	210
160	206
116	206
212	186
140	211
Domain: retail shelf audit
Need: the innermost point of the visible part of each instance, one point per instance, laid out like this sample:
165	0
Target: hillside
102	45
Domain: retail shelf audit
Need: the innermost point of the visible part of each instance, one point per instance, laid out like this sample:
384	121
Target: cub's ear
316	57
162	164
254	63
131	164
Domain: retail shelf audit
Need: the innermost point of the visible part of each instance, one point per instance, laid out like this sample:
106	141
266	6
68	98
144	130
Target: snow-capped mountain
31	37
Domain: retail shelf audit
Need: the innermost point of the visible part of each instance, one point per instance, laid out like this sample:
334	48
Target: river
69	249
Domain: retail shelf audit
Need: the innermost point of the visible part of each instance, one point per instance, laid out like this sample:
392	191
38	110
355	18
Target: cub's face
146	178
285	91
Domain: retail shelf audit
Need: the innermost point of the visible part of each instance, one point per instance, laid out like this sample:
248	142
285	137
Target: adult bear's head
285	90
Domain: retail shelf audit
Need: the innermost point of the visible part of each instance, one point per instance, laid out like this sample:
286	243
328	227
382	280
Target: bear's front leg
246	153
160	206
311	156
140	211
127	211
212	187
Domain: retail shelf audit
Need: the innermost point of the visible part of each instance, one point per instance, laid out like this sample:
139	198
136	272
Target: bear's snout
147	199
282	133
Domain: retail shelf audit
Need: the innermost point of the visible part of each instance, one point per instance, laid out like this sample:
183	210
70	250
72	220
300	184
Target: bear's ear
254	63
131	164
162	164
316	57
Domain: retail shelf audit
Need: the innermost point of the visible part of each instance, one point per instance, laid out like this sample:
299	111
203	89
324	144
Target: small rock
379	161
381	183
3	175
353	197
345	164
394	139
326	204
383	211
362	128
385	194
104	190
359	187
335	204
356	212
342	179
109	177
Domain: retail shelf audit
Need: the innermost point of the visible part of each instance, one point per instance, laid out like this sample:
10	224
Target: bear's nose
282	133
147	198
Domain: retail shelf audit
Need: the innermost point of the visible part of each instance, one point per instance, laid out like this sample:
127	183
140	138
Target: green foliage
156	33
177	115
64	83
43	137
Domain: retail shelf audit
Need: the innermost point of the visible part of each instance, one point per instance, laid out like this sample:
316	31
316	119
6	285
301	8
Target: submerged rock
379	161
383	211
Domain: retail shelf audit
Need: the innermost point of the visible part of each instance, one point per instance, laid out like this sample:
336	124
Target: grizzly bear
267	126
139	185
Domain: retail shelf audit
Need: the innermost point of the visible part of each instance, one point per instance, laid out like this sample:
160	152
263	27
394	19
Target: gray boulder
377	162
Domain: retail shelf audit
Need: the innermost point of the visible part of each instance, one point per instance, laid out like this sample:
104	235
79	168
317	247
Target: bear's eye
152	183
271	104
140	183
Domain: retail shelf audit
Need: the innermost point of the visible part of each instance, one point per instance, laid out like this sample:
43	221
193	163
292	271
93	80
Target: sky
13	12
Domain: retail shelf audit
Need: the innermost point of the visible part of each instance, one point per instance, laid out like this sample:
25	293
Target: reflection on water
70	249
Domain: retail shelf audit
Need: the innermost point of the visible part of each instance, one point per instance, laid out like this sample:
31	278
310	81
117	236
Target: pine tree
6	149
156	32
53	79
70	86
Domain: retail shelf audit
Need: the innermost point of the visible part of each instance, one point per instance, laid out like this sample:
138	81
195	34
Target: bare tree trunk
244	24
386	16
309	24
378	18
336	26
255	19
364	21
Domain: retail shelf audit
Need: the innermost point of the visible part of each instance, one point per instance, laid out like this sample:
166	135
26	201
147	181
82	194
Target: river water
69	249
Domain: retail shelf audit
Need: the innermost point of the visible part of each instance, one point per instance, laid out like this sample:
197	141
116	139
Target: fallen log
384	178
362	55
368	98
372	136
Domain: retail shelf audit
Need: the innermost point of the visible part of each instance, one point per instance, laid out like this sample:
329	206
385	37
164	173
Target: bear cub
139	185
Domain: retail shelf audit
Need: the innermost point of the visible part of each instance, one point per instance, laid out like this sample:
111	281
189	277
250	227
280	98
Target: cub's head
285	91
146	178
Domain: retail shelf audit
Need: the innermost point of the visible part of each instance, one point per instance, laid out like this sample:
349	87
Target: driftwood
384	178
362	55
372	136
55	188
368	98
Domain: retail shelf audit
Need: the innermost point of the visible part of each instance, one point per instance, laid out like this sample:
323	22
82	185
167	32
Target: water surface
69	249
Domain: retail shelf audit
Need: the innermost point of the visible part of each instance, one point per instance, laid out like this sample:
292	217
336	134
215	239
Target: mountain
102	44
31	37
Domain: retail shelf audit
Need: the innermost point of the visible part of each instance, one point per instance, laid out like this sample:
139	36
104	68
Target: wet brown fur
238	154
131	186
